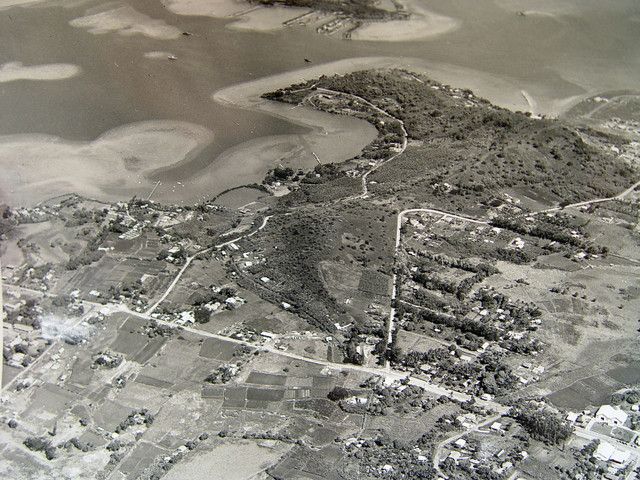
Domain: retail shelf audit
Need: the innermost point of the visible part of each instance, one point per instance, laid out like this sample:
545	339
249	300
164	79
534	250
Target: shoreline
110	167
334	138
422	23
502	92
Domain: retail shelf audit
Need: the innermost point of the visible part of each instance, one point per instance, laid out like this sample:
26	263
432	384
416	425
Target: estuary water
142	95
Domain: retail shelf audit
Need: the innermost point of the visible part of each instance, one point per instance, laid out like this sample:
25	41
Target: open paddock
178	362
319	406
628	374
144	247
416	342
587	392
47	403
215	349
265	394
111	271
109	415
143	455
260	378
134	343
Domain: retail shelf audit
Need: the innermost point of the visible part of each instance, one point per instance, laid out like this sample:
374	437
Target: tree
338	393
542	425
201	315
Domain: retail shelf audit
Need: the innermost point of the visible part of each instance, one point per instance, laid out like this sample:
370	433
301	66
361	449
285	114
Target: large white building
611	415
608	453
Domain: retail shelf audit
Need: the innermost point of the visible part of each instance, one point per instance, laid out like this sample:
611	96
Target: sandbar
247	94
119	162
13	71
158	55
126	21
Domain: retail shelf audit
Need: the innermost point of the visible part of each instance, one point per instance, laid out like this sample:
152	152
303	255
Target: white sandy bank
12	71
36	167
158	55
247	94
501	91
126	21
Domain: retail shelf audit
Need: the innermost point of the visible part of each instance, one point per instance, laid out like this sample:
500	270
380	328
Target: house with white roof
613	416
606	452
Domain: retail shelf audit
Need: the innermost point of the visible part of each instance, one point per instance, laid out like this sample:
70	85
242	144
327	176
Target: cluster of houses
187	317
501	461
615	456
615	453
21	344
613	416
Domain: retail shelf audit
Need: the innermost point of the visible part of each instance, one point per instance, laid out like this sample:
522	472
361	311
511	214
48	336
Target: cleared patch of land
232	461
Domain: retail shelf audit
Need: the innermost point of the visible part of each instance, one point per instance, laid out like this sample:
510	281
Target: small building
606	452
572	417
613	416
455	456
186	317
620	457
461	442
517	243
496	426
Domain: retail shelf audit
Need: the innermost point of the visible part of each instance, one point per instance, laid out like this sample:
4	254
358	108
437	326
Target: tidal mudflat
124	64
